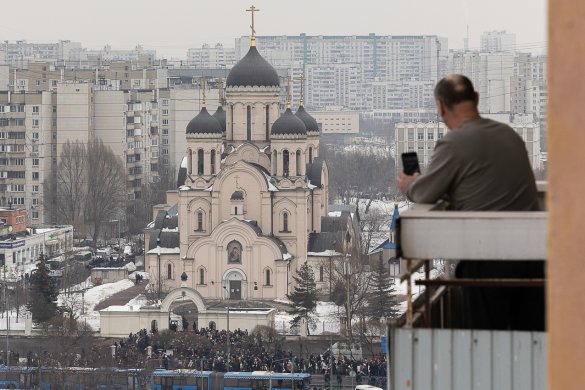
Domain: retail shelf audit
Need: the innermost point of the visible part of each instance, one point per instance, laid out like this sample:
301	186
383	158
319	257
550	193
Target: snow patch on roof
286	256
311	186
327	253
164	251
209	189
184	188
271	187
173	230
184	162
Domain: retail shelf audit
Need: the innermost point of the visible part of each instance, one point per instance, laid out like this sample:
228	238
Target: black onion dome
220	116
252	70
308	120
237	195
288	123
204	123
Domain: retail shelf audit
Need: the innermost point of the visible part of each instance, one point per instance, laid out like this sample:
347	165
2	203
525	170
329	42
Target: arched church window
274	162
298	163
201	275
285	163
190	162
321	273
234	252
200	220
267	277
212	163
285	222
310	155
200	162
249	123
169	271
267	122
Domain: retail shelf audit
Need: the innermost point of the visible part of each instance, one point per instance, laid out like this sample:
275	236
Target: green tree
43	294
304	297
381	301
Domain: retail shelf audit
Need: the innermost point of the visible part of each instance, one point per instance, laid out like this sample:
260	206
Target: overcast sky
172	26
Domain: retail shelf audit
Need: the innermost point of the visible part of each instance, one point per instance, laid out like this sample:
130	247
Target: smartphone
410	163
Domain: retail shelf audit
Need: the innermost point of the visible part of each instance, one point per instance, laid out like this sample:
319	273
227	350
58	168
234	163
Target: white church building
251	203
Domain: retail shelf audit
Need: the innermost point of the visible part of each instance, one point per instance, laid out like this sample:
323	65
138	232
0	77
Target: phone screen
410	163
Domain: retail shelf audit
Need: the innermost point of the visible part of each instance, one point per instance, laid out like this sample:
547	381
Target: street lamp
228	342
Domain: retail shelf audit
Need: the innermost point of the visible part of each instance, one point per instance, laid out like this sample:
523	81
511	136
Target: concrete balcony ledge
427	233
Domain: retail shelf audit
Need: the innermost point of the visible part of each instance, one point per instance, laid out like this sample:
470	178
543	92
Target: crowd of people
206	349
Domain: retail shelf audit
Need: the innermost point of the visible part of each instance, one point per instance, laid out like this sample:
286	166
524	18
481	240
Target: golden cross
203	85
253	9
302	78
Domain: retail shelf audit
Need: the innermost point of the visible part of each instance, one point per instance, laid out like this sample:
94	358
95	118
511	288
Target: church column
303	163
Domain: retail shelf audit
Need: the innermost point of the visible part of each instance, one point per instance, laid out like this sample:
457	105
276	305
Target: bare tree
351	285
360	174
371	228
106	192
88	185
151	194
66	186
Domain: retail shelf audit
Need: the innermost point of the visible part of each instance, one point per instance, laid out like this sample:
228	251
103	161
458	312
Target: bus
206	380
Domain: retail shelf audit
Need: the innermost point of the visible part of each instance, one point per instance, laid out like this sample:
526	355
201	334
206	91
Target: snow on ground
98	294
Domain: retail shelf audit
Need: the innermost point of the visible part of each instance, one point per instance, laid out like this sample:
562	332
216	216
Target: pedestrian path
123	297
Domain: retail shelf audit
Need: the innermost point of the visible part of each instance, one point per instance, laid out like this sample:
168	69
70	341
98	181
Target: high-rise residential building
137	56
211	57
26	150
401	95
123	75
20	53
497	41
339	69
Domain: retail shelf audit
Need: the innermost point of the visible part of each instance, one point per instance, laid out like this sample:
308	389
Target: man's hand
405	180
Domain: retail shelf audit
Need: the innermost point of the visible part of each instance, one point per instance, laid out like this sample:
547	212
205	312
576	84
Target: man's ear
441	108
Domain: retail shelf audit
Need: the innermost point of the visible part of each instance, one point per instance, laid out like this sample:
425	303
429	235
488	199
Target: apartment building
20	53
26	149
422	137
206	57
401	95
339	69
497	41
337	121
122	75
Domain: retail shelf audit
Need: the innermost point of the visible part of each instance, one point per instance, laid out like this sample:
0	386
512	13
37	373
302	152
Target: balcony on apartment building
429	348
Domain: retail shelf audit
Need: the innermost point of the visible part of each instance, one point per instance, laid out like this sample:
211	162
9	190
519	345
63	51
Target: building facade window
200	221
267	122
321	273
200	162
169	271
267	277
212	162
202	276
249	123
285	222
285	163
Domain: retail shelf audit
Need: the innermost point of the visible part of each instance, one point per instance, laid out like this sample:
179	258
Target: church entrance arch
183	306
235	284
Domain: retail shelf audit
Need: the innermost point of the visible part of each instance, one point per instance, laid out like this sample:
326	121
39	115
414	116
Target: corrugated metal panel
450	359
